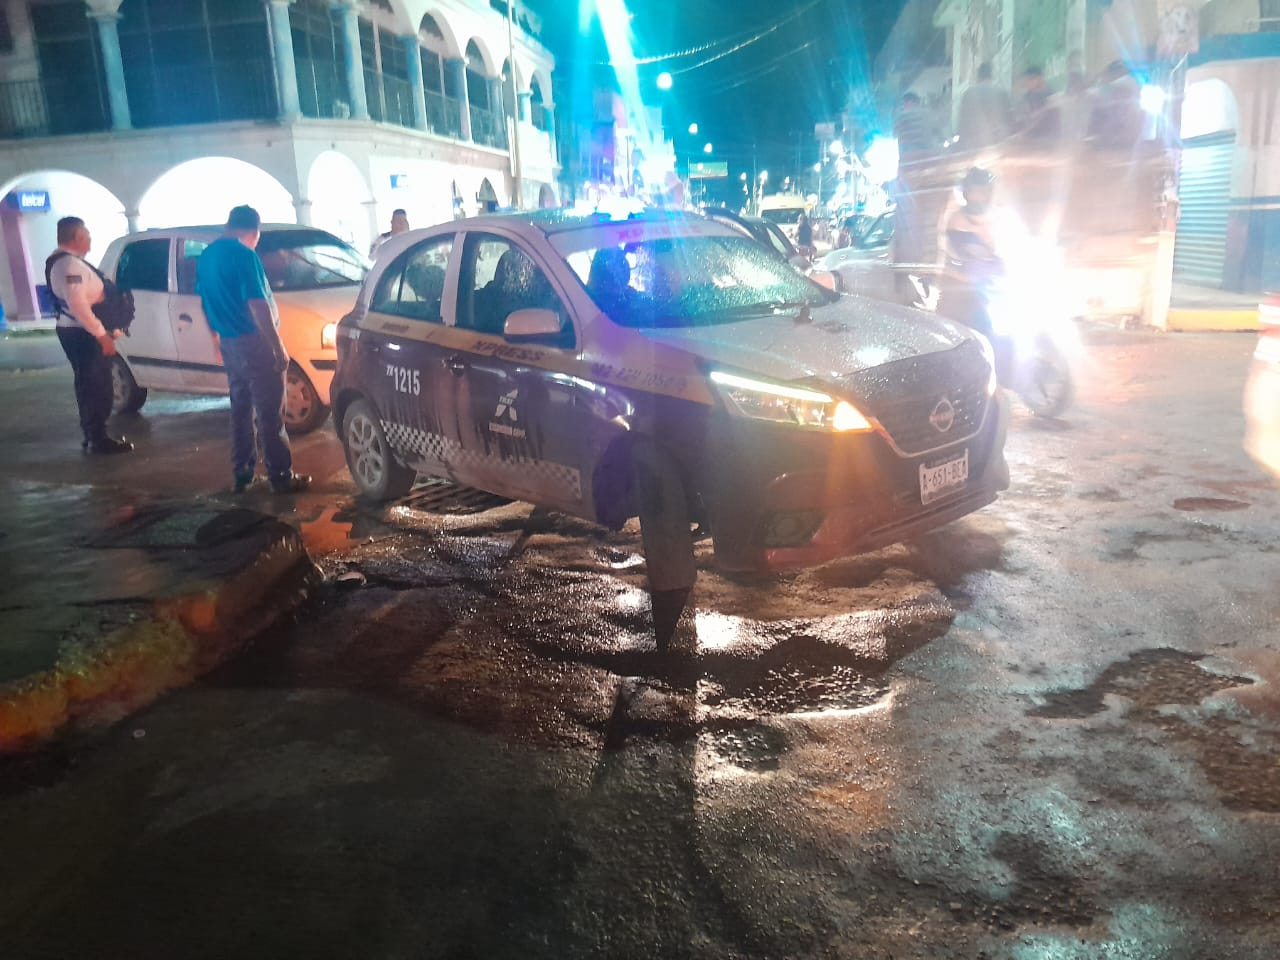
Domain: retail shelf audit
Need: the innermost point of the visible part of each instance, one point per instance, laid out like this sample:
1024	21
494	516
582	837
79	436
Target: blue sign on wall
399	180
32	199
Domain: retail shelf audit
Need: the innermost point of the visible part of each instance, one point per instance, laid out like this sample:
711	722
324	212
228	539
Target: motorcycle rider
972	262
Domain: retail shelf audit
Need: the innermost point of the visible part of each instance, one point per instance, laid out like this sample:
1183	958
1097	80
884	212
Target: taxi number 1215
405	380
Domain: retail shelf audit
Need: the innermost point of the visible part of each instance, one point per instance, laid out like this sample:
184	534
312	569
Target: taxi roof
553	221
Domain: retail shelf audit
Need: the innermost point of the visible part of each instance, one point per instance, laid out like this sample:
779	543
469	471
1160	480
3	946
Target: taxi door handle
185	318
457	366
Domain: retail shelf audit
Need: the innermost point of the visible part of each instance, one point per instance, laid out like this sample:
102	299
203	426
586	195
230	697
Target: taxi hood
846	337
331	304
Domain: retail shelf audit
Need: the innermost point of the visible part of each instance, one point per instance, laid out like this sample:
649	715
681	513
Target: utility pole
517	174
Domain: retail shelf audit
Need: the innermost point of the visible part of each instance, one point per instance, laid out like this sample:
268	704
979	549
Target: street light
836	149
664	81
706	148
693	129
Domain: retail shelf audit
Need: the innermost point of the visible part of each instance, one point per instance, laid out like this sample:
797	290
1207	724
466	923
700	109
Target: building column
550	109
303	208
459	68
350	13
25	307
286	68
375	229
131	218
113	66
525	109
414	53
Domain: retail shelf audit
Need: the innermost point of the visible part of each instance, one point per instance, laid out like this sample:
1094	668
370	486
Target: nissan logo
943	415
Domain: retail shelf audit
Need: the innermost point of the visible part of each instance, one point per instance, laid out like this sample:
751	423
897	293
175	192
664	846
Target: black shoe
107	445
293	483
243	482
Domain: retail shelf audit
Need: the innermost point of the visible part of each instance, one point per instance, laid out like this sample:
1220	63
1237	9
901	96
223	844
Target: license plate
937	482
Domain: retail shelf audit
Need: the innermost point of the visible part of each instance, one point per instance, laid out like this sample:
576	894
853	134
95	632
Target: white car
314	278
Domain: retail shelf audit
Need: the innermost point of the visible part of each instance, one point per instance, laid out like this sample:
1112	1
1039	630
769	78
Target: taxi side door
143	269
202	368
402	360
514	413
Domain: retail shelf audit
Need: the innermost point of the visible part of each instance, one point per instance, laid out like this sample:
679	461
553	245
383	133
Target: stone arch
204	189
508	102
436	33
487	197
480	57
34	232
340	197
402	15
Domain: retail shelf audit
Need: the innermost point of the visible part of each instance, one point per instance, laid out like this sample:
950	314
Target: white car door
143	268
202	369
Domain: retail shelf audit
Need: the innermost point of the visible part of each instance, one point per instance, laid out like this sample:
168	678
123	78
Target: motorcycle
1030	332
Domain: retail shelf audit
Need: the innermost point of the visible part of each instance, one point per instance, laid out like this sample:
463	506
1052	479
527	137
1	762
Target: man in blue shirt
242	314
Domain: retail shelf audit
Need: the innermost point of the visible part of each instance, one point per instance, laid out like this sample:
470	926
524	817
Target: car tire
1048	389
378	475
126	395
662	503
303	410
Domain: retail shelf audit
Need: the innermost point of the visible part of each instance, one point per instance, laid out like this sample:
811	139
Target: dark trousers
92	371
256	390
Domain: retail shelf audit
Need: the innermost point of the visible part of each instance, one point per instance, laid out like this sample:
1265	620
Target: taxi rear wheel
303	411
374	468
126	395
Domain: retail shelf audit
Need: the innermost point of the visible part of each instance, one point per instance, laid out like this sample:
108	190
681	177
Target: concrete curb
1191	319
181	638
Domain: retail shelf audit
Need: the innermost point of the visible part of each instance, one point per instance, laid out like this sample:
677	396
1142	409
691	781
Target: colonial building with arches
151	113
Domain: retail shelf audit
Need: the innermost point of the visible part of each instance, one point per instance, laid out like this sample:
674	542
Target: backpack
116	308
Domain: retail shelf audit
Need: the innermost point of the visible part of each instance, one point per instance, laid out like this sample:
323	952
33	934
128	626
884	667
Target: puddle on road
1166	689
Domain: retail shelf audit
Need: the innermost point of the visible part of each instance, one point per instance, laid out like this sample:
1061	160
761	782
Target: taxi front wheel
303	411
374	468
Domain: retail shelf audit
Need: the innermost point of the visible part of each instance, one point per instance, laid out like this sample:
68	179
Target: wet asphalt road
1047	731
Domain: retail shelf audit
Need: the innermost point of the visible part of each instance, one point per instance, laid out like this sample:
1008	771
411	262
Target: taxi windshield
309	260
691	281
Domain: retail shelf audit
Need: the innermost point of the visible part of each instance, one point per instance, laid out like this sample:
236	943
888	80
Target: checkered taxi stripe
419	444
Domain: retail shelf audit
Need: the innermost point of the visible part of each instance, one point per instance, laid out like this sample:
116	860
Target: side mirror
800	262
533	323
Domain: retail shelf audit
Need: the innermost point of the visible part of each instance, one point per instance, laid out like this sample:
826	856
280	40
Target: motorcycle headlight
761	400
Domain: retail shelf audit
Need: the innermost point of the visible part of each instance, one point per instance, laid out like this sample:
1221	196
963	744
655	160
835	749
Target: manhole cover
1209	503
440	496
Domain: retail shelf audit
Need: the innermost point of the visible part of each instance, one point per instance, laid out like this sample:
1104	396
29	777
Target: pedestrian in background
804	236
985	115
914	129
242	314
76	287
399	224
1037	115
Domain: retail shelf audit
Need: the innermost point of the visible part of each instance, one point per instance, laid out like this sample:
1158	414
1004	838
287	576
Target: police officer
76	287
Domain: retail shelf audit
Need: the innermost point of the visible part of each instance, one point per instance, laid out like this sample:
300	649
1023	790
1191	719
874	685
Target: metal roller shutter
1204	191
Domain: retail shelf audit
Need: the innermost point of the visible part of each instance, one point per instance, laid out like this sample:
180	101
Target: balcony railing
203	93
444	115
397	99
42	108
322	90
488	128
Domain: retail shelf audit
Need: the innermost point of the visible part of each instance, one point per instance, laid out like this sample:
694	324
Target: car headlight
989	354
329	337
762	400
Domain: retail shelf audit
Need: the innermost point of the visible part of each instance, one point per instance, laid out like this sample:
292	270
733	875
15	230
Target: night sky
757	105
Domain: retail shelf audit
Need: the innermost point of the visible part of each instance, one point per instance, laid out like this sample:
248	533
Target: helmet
977	177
